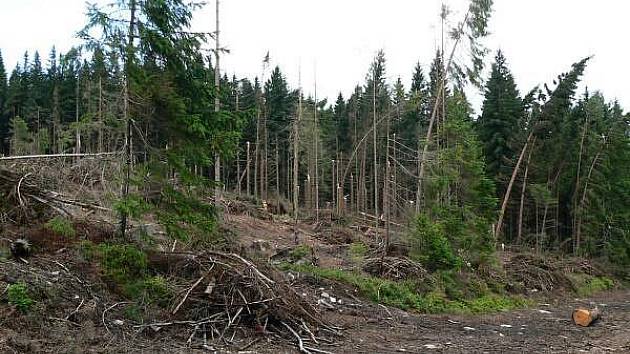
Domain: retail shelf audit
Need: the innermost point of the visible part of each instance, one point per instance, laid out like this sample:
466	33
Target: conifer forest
152	201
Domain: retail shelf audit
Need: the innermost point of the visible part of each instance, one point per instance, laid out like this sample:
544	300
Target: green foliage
88	250
133	206
357	251
300	252
126	266
133	312
122	263
405	295
460	206
18	296
186	217
431	247
61	226
586	285
503	112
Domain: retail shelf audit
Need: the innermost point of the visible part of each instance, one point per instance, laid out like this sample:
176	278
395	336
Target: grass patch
586	285
405	295
61	226
17	295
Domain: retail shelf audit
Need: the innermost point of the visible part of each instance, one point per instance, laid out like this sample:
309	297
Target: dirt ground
369	328
545	328
364	327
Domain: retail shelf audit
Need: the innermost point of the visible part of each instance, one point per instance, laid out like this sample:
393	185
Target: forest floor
544	327
73	321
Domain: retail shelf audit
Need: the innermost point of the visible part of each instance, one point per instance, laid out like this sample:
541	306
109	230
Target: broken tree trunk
584	317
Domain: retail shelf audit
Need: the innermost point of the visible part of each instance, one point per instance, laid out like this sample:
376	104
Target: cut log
584	317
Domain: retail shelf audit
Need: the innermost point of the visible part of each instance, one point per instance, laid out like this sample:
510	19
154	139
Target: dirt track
380	330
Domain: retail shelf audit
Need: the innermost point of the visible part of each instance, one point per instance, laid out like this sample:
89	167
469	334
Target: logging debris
226	291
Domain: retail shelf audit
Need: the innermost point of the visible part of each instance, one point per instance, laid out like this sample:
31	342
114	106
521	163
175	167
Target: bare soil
78	317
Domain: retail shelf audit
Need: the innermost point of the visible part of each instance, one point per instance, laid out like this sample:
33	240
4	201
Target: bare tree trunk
288	178
332	186
352	200
316	142
248	164
296	136
386	204
374	152
578	234
578	173
277	172
217	104
238	172
506	198
394	190
257	151
520	213
100	114
362	180
128	139
77	148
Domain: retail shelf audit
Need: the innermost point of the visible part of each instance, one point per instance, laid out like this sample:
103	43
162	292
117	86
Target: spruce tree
498	125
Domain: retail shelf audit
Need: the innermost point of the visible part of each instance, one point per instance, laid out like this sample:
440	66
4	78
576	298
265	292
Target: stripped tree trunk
217	105
520	213
506	197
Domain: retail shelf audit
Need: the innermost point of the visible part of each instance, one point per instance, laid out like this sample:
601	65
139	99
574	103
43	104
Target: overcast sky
335	40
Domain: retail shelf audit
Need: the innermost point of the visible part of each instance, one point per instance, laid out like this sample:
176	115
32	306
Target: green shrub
155	290
17	295
126	265
358	251
431	247
61	226
133	205
88	250
300	252
187	218
122	263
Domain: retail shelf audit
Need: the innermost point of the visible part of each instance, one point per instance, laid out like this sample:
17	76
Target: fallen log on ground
584	317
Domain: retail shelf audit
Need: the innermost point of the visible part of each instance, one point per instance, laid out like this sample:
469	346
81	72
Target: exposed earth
76	324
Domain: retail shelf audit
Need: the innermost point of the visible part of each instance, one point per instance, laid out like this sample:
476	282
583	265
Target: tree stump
584	317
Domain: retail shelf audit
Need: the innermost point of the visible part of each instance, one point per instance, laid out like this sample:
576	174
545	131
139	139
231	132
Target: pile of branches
22	200
540	273
244	207
227	292
394	268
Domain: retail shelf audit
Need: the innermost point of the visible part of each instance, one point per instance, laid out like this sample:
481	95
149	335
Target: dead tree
506	197
129	55
217	105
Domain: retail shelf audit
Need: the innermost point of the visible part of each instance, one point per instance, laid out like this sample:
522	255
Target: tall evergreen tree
498	124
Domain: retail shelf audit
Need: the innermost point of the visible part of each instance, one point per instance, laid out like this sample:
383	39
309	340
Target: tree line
547	169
